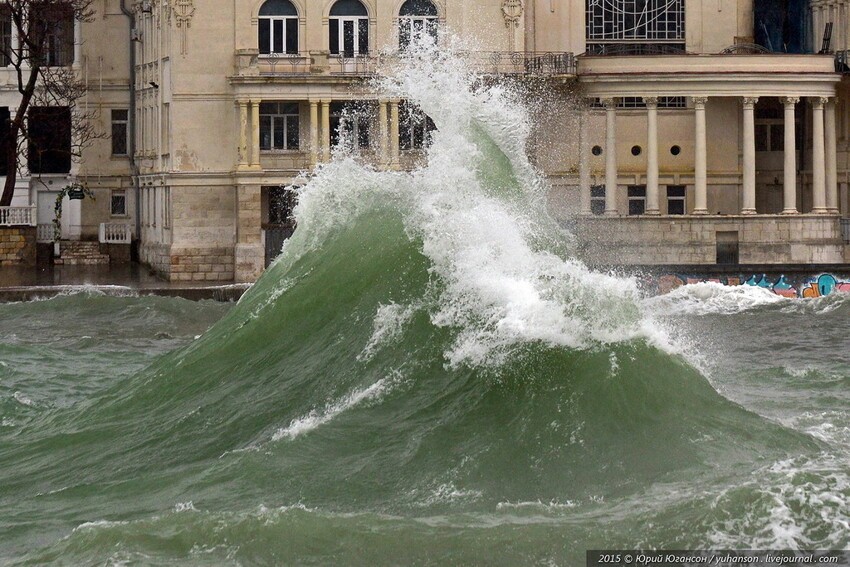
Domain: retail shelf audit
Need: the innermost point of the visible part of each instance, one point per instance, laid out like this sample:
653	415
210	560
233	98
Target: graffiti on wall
803	287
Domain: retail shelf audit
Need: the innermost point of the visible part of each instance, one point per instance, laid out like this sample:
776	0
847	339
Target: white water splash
505	275
315	418
711	298
387	326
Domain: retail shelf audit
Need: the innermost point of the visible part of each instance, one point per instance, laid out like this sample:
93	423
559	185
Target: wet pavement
18	283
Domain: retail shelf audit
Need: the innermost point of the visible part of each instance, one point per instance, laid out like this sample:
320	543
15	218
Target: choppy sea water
425	376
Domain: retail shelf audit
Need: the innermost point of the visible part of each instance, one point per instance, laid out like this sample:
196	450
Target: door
45	213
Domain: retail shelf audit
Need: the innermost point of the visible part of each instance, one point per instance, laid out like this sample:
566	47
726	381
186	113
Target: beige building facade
681	135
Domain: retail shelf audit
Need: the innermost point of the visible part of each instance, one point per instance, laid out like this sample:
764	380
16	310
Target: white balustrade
45	232
17	216
114	233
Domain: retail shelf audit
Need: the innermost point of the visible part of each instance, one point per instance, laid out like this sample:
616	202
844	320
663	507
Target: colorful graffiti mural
802	287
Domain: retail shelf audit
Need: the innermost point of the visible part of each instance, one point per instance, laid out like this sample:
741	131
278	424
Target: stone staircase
80	253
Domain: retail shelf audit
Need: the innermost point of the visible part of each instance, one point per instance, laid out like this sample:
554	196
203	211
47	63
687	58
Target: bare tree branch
37	41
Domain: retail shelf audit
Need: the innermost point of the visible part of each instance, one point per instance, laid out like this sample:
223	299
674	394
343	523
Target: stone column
255	134
831	165
584	164
652	204
790	171
249	254
749	205
700	173
610	155
383	132
78	43
326	130
818	158
244	158
394	151
314	132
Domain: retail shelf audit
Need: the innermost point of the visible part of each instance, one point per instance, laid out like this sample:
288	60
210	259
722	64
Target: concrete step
80	253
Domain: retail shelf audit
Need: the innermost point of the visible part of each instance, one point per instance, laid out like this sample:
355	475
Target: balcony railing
523	62
274	64
489	62
625	49
842	61
17	216
114	233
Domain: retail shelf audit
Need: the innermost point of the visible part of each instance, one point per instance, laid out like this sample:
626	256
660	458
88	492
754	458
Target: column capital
699	101
609	103
750	101
651	101
325	101
790	100
819	101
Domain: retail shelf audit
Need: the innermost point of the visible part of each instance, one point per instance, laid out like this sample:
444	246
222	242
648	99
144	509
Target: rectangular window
119	132
279	126
770	135
351	122
282	201
5	137
634	26
5	36
415	127
49	148
777	137
631	102
278	35
637	199
675	199
597	199
672	102
727	248
52	27
118	203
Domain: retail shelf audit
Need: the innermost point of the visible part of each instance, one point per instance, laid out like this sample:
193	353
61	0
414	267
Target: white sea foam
709	298
792	502
184	507
316	418
538	505
23	399
387	326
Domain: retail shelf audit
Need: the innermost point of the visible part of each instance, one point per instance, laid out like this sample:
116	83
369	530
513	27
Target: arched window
349	28
278	31
416	17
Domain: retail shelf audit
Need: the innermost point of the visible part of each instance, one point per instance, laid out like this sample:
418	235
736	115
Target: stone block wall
157	256
692	239
250	257
18	246
201	264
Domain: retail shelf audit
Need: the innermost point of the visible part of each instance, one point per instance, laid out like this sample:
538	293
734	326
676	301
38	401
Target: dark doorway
280	224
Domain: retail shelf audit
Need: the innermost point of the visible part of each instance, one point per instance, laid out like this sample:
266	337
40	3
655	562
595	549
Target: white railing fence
45	232
17	216
114	233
